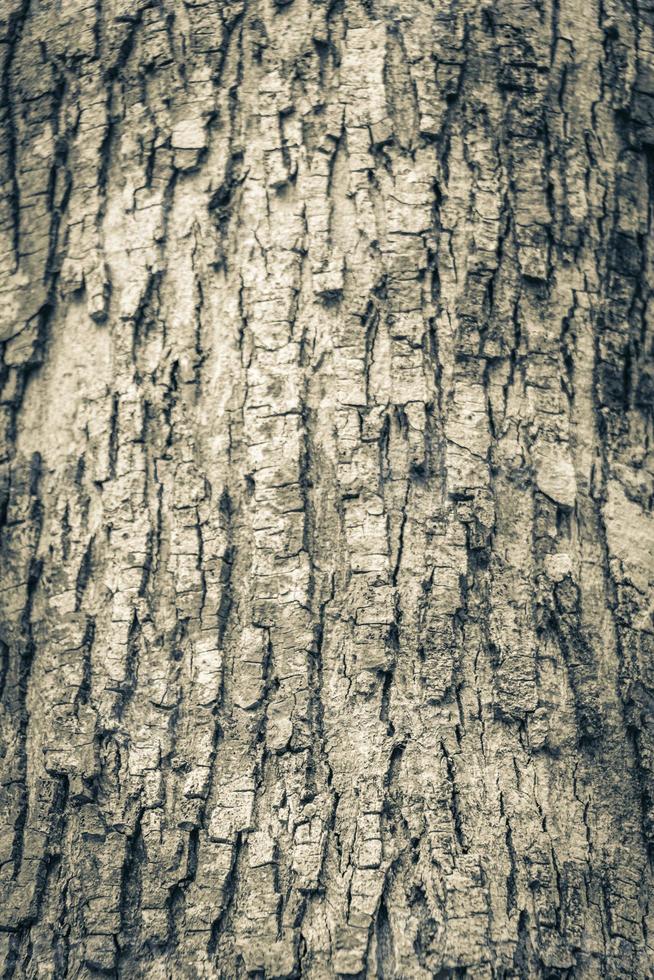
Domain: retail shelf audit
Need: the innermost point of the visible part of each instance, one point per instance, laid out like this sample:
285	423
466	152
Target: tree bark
327	489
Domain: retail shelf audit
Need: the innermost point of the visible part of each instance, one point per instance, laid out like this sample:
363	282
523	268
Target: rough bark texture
327	488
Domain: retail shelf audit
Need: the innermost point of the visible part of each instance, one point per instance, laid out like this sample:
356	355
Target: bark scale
327	488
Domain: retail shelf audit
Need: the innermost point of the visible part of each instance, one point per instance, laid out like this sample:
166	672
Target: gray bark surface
326	490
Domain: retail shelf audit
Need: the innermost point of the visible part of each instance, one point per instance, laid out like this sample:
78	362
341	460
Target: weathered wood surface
328	548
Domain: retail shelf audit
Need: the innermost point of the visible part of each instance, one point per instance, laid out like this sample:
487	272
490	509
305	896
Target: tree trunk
328	546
